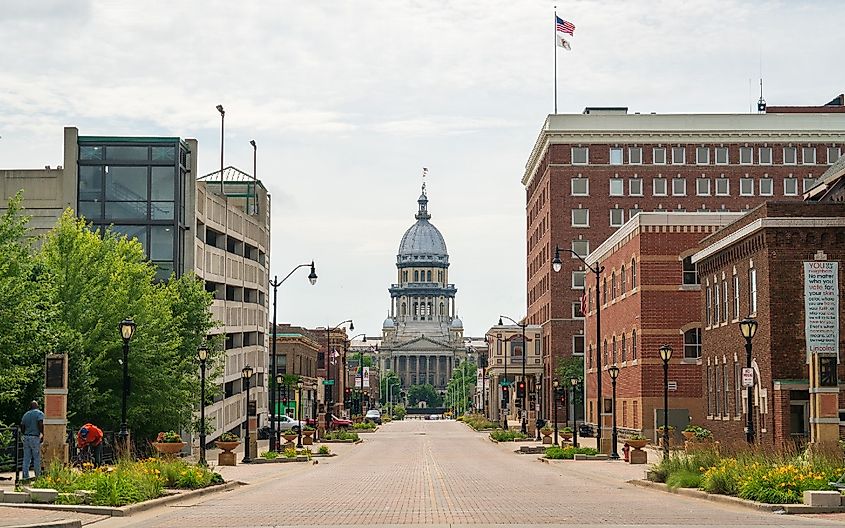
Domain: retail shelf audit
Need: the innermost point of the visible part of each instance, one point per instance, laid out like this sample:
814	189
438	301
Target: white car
373	415
286	423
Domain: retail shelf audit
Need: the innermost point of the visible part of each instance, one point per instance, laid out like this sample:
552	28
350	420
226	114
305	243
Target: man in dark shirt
32	429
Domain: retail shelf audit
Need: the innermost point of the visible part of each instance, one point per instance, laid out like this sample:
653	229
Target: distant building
505	349
422	336
331	365
650	296
219	228
296	354
759	264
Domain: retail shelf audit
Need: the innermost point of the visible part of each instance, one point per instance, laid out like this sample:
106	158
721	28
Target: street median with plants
478	422
500	435
568	453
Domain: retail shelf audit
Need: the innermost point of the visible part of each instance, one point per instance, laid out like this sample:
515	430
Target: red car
335	422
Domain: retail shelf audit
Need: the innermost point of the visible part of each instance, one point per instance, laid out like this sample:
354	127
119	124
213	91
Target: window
623	279
679	155
617	187
790	155
576	310
578	280
752	291
726	379
790	186
692	343
635	155
633	344
615	156
632	212
428	276
581	247
624	348
717	384
808	155
416	276
764	155
721	155
617	217
723	187
832	155
708	307
604	352
580	186
679	187
633	274
613	349
578	345
725	300
580	218
746	187
635	187
613	291
659	186
658	156
717	304
809	183
702	186
580	155
736	297
702	155
690	274
766	187
604	290
746	155
590	357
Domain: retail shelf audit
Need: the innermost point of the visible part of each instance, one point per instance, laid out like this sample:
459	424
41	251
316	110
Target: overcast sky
348	100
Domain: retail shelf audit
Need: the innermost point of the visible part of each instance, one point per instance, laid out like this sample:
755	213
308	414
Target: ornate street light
574	383
748	328
555	384
202	357
665	355
299	414
127	330
524	381
246	375
614	373
329	379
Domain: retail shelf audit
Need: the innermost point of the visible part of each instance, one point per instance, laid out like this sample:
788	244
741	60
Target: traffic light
506	393
520	390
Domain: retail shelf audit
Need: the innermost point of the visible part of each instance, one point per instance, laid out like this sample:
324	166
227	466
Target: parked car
585	430
335	422
283	423
373	415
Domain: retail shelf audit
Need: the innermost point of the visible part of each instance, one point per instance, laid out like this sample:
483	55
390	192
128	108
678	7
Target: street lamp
202	356
275	283
748	327
127	330
505	384
574	383
330	379
222	123
274	435
361	366
614	373
557	265
299	414
524	380
246	374
555	384
665	355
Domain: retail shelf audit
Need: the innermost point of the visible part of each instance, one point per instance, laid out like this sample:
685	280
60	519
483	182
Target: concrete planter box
41	495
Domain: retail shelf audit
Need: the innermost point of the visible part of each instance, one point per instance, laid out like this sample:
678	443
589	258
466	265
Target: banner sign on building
366	377
821	307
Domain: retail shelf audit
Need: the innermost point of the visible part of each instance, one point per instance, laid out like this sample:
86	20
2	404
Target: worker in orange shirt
91	437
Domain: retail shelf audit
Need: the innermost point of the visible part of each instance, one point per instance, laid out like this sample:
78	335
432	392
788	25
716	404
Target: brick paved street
419	472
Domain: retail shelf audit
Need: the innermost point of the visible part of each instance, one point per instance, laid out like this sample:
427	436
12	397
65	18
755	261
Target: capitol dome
422	241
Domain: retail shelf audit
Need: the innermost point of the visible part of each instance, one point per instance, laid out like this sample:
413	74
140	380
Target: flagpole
554	42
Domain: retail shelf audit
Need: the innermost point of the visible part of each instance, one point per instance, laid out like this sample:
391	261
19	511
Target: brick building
331	363
589	173
650	296
296	354
504	362
757	263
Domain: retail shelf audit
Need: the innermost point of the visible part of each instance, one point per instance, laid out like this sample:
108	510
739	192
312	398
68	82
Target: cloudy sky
348	100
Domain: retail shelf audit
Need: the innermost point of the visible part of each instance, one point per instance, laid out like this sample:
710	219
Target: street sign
328	382
505	383
747	377
672	386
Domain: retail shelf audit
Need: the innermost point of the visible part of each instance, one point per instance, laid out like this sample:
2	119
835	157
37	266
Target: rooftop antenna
761	103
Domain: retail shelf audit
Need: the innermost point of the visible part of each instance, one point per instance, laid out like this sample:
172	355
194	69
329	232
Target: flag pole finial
424	174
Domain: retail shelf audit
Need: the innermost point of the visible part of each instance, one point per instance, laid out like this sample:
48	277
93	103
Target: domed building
423	336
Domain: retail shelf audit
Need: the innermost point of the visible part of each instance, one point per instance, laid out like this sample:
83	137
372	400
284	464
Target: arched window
604	352
404	276
633	273
613	349
428	275
416	276
403	309
613	285
416	310
430	312
622	280
633	345
442	309
692	343
624	349
604	290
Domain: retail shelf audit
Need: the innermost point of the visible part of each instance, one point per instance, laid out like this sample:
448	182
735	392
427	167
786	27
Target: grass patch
568	453
684	478
324	450
340	435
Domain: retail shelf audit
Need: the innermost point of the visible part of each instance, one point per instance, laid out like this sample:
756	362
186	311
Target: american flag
563	26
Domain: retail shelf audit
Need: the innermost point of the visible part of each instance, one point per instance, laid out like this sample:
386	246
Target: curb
279	460
51	524
125	511
736	501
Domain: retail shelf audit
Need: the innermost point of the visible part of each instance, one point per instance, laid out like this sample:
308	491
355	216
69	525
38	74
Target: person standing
32	427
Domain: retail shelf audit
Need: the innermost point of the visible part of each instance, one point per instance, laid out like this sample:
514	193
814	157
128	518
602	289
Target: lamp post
202	356
299	413
246	375
665	355
574	383
222	125
614	373
127	330
524	380
748	327
555	384
274	434
361	366
557	265
330	379
275	283
505	384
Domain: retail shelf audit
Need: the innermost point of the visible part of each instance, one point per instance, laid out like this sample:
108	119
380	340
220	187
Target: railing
11	451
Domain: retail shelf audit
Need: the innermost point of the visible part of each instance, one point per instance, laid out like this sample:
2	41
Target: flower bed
769	478
501	435
128	482
339	436
568	453
477	422
364	426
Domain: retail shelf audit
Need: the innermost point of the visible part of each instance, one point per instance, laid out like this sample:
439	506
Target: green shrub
229	437
399	412
568	453
324	450
290	452
722	478
270	455
684	478
500	435
700	432
365	426
340	435
477	421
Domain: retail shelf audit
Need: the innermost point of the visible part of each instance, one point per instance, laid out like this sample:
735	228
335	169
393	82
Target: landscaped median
340	437
478	422
752	475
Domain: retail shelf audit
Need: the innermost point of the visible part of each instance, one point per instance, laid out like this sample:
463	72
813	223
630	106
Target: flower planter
547	436
289	437
688	435
227	446
636	444
227	457
168	448
308	437
566	436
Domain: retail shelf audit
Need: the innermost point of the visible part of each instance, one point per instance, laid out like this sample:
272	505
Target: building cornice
766	223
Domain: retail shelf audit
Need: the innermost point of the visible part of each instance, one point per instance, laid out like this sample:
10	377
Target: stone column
437	370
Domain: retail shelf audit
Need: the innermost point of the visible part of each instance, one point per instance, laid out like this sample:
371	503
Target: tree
426	393
568	368
389	383
462	385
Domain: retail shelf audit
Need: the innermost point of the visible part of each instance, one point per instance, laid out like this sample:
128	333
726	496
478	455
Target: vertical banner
366	377
821	307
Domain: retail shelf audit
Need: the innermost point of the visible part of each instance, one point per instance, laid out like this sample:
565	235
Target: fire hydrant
625	450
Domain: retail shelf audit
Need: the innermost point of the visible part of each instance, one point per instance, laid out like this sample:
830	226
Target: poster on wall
821	307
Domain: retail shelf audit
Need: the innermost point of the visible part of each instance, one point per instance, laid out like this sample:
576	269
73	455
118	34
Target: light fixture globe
574	381
299	384
555	383
313	275
351	326
748	327
500	321
557	265
666	353
202	353
246	372
279	379
127	329
613	371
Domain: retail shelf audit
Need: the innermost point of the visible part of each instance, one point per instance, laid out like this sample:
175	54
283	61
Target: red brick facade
767	247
